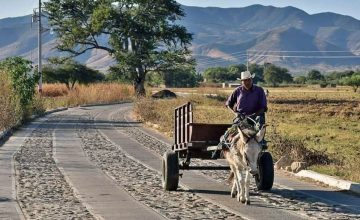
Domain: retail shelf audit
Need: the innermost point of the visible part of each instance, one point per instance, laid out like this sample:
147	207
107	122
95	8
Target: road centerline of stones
106	199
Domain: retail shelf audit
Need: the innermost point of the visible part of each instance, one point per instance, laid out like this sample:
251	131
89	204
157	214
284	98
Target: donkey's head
251	148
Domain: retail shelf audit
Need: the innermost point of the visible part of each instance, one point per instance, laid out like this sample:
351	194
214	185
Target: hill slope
222	36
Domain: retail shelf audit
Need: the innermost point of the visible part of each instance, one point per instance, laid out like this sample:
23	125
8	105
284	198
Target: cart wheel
170	171
265	179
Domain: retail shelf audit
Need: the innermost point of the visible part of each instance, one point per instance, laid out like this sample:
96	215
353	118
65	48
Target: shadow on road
214	192
4	199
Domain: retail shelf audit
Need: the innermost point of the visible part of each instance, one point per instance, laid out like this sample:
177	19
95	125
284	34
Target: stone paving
42	191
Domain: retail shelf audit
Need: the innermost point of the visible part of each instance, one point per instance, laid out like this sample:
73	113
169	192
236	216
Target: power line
305	51
310	57
222	61
251	56
240	52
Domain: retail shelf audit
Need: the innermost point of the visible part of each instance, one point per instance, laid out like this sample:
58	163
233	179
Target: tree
259	72
116	73
274	75
314	75
218	74
142	35
300	80
182	78
69	73
235	71
353	81
333	76
154	79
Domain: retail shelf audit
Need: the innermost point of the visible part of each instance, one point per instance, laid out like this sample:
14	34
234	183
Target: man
248	100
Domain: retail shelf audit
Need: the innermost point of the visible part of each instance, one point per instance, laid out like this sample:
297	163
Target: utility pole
39	49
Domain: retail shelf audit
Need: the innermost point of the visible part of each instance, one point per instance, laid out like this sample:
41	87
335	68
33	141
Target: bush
22	82
297	150
10	110
323	84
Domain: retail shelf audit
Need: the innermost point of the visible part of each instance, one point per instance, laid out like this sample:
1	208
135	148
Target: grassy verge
320	126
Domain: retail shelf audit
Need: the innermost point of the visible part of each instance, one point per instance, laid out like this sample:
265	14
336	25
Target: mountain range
259	34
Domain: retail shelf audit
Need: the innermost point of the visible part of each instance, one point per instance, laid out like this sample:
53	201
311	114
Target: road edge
330	180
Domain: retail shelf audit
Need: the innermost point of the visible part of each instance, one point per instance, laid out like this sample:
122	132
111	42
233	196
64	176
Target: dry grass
100	93
319	125
10	112
54	90
56	95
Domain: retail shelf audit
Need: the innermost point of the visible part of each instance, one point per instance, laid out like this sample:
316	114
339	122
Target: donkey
242	156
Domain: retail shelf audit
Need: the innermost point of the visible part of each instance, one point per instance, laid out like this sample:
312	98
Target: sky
14	8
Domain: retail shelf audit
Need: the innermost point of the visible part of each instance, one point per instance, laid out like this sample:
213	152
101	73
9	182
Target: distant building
231	84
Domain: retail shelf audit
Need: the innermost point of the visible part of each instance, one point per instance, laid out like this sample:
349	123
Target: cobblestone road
42	190
44	193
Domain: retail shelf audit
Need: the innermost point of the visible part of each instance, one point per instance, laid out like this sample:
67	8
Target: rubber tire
265	179
170	171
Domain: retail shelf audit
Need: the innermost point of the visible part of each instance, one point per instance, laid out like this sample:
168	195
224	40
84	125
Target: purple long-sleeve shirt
247	101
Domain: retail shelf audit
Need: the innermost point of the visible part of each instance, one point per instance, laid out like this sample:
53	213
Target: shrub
297	150
10	111
22	82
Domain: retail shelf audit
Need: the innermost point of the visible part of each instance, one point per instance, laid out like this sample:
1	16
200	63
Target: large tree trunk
139	87
139	82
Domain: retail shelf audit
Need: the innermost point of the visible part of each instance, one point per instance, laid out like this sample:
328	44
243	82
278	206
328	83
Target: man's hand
240	115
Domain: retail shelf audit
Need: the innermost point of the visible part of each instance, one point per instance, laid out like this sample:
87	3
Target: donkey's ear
243	137
260	135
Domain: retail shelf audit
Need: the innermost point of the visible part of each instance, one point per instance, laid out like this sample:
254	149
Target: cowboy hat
246	75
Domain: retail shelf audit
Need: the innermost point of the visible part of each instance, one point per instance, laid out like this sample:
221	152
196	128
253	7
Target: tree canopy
182	78
142	35
353	81
274	75
69	73
220	74
315	75
231	73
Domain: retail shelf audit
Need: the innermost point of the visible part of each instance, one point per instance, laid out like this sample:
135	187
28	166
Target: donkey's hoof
233	195
247	202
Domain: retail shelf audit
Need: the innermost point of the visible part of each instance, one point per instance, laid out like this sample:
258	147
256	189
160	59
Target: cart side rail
182	117
186	131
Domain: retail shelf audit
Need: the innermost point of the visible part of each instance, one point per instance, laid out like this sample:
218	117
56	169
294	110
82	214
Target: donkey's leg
233	191
237	183
234	182
247	187
241	182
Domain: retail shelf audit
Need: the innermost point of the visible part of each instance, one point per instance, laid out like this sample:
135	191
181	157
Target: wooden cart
200	140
